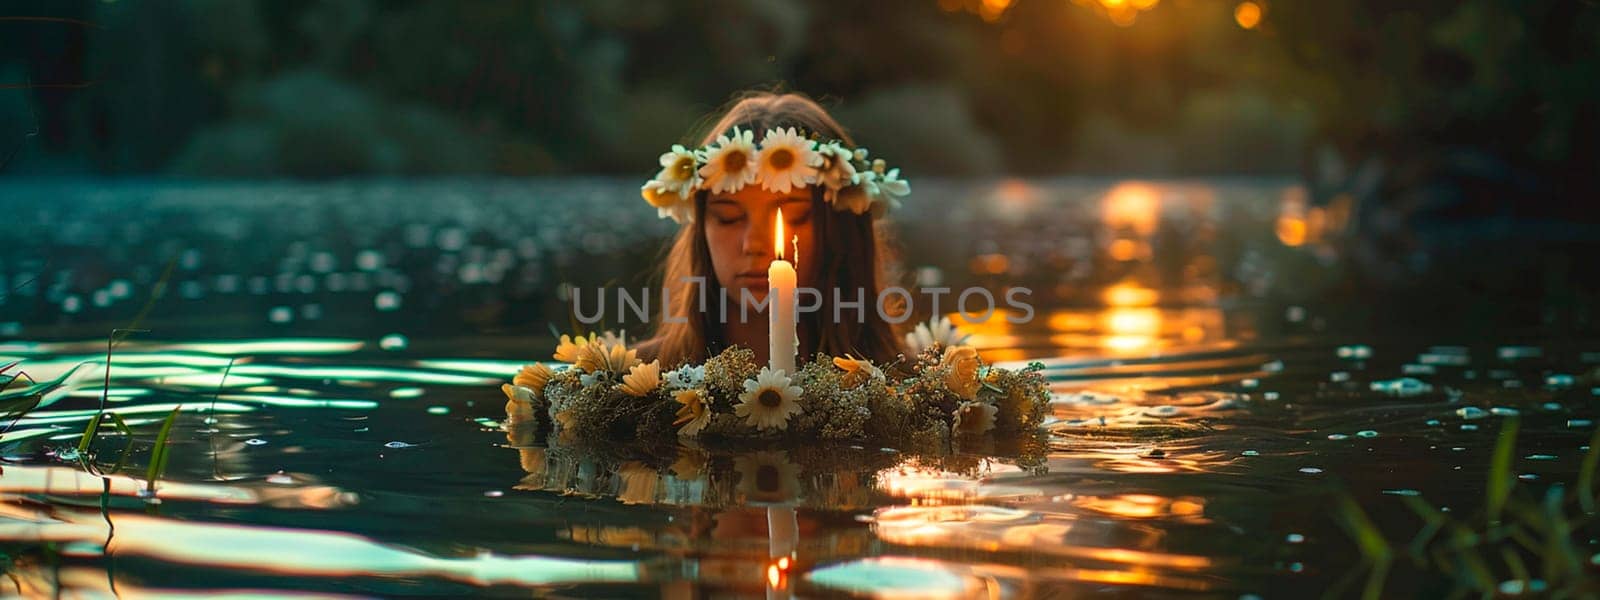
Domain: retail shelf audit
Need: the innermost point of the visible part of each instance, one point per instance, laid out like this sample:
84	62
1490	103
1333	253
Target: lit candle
781	341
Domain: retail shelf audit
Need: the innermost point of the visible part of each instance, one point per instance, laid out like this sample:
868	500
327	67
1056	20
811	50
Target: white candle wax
781	281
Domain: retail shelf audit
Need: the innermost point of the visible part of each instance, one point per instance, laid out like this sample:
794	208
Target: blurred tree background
1498	90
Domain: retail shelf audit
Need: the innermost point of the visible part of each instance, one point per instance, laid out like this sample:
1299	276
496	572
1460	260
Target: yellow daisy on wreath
694	411
519	403
857	371
602	356
962	378
533	377
642	379
769	400
567	349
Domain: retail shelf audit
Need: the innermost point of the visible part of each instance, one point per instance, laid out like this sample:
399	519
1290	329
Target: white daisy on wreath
935	331
769	400
787	160
730	162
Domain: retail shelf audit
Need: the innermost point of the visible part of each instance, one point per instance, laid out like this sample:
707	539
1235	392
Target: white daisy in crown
680	172
890	187
730	162
769	400
787	160
669	205
837	171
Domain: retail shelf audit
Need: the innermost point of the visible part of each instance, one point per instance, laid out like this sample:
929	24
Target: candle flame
777	236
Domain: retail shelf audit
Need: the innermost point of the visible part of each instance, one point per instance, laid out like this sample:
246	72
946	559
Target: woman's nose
758	235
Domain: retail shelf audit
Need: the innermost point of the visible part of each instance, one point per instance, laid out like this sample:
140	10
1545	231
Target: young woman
769	152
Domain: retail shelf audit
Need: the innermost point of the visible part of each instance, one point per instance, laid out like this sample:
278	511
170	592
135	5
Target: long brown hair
854	256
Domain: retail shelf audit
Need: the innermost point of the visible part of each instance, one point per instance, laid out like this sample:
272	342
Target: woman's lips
753	276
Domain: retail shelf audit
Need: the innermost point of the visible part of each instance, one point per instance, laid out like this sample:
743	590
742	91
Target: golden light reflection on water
992	529
1145	506
1132	206
1127	331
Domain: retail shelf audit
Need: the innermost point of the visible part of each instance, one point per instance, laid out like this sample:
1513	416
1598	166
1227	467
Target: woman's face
739	229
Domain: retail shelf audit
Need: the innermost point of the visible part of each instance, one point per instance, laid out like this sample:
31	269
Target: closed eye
726	212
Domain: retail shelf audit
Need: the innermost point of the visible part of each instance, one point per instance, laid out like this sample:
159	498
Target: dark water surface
334	351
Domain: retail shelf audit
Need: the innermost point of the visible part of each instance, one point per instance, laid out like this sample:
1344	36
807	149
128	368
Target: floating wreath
600	391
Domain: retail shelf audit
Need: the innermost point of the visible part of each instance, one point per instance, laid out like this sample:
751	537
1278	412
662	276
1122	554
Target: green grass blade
1367	536
40	387
14	409
122	425
88	434
1375	581
1519	571
158	456
1424	511
1591	460
1500	477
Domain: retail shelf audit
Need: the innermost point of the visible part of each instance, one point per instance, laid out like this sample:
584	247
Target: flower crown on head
785	159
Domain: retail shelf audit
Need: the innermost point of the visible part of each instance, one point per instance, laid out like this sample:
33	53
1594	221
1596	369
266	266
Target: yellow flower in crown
788	161
730	162
642	379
